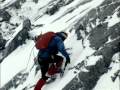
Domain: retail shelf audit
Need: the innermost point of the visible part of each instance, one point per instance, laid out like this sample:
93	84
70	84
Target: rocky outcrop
103	39
19	39
2	42
4	15
99	37
36	1
18	79
55	6
16	4
87	80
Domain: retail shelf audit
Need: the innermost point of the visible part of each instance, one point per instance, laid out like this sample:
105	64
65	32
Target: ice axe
62	71
65	66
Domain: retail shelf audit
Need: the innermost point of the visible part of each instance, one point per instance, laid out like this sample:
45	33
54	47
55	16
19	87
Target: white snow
105	82
22	57
17	30
114	20
6	3
16	62
92	60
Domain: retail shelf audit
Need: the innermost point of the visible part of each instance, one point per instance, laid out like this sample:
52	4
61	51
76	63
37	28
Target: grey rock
4	15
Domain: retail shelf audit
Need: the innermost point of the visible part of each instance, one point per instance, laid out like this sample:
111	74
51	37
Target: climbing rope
29	58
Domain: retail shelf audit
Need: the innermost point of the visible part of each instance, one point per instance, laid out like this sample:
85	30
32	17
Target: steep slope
94	36
104	38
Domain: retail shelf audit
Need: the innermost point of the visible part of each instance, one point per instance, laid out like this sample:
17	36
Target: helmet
63	35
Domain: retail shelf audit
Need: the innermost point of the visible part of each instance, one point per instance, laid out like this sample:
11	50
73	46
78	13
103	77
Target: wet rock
36	1
4	15
107	10
54	7
17	80
97	36
18	40
52	10
2	42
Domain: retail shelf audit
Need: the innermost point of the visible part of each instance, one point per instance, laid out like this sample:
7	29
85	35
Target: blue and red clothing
56	45
49	55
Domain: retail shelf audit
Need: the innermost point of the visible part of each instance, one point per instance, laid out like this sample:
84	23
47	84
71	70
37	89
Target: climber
48	54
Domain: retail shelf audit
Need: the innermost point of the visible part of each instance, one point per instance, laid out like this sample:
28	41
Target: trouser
44	65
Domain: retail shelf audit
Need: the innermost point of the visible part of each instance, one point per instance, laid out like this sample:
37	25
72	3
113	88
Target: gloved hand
67	61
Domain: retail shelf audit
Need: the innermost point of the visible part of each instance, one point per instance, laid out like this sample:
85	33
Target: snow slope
22	58
110	85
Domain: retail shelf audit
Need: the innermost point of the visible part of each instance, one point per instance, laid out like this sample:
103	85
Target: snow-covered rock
94	36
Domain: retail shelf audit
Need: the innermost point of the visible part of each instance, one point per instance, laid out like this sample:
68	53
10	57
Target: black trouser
44	63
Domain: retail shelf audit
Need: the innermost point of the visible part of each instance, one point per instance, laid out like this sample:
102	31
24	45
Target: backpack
43	40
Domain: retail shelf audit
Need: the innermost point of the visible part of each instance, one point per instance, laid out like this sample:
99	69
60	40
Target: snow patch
114	20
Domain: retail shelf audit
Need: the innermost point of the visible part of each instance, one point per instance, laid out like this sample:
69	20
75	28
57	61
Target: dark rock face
36	1
68	2
102	12
2	42
102	65
107	10
75	85
87	80
18	79
4	15
27	24
118	12
16	4
79	27
52	10
19	39
54	7
98	37
100	34
2	0
116	29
